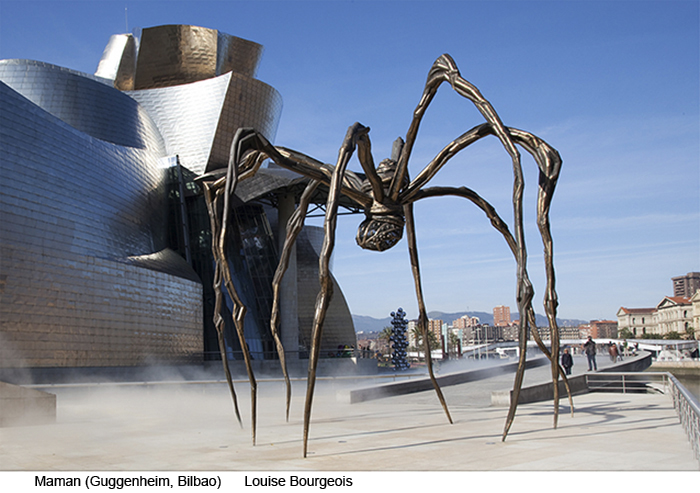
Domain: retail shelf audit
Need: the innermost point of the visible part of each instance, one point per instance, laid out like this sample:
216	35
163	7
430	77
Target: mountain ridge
365	323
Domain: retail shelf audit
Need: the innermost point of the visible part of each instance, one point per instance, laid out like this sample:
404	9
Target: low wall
423	384
208	370
678	368
20	406
577	383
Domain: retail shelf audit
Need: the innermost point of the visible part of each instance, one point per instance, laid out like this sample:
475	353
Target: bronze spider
387	196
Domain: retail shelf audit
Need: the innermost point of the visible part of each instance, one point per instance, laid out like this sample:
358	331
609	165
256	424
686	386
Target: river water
690	382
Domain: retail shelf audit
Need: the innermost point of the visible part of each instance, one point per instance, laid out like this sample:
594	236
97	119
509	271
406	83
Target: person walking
613	352
567	361
589	348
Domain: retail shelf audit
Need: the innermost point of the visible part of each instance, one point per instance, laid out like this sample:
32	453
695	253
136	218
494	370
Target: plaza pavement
191	427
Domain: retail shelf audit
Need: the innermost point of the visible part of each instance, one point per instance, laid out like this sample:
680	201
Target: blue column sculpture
398	338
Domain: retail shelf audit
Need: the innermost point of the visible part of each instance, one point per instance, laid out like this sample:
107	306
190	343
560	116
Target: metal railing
685	403
688	409
628	382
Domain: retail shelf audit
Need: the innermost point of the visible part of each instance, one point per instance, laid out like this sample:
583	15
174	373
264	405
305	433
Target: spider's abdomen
380	232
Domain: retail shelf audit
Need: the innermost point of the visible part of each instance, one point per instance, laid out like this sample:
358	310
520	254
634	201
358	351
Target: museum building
105	248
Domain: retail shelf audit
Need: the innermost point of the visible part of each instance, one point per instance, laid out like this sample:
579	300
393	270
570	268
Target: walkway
191	427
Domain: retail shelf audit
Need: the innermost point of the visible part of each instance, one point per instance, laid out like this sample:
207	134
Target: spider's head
382	229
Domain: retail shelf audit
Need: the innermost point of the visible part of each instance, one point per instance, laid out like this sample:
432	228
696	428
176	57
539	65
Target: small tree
625	334
384	337
689	333
452	343
420	344
673	335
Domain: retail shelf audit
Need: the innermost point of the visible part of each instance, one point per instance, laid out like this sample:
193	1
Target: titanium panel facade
187	116
99	210
73	208
248	103
177	54
84	103
118	62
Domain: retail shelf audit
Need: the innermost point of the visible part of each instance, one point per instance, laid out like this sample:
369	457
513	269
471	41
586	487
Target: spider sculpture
387	196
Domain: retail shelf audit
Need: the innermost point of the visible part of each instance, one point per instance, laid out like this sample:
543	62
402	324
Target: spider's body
385	221
387	197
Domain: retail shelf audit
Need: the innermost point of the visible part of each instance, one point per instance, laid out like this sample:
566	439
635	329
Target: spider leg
239	308
252	148
211	201
324	296
445	70
294	226
549	164
423	315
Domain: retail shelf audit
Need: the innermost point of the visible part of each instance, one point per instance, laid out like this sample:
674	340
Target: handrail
688	409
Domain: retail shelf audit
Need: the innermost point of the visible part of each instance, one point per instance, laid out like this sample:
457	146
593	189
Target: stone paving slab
192	427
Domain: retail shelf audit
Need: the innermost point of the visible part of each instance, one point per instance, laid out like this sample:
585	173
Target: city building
638	321
105	251
674	314
569	333
603	329
511	333
686	285
501	316
465	322
695	302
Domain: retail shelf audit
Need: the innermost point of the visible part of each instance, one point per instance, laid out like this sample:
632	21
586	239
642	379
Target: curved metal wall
238	55
118	62
187	116
71	206
180	54
199	120
84	103
248	103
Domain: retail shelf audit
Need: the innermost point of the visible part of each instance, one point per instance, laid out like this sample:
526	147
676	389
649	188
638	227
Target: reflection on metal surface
83	103
178	54
118	62
72	210
175	54
87	276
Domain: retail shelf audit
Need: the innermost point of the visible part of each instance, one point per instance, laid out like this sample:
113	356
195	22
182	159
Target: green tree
452	343
384	337
417	336
673	335
689	333
625	334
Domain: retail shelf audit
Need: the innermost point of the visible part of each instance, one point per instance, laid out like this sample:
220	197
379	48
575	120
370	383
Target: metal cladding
87	277
84	103
176	54
118	62
198	86
73	208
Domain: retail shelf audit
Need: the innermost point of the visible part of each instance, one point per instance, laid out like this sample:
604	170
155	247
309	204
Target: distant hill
363	323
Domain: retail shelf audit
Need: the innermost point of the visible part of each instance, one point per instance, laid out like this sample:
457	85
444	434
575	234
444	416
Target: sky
613	86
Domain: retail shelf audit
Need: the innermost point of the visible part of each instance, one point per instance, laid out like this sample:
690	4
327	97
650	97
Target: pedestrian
589	348
613	352
567	361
